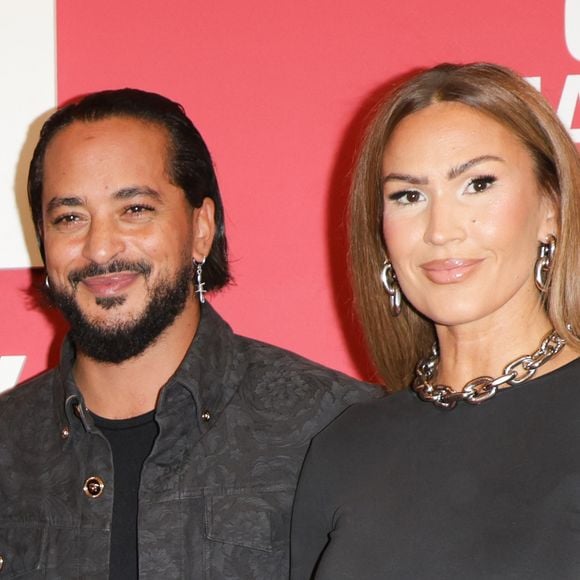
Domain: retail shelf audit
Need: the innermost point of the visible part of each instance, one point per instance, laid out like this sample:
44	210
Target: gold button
64	432
94	486
206	416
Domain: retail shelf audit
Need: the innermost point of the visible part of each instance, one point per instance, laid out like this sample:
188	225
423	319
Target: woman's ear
550	218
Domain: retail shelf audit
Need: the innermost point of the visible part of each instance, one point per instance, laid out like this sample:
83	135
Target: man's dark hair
190	165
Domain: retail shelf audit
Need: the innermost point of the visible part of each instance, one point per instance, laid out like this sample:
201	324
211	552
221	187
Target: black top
399	489
131	441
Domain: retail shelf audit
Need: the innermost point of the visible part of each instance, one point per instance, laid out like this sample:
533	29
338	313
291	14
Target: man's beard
115	343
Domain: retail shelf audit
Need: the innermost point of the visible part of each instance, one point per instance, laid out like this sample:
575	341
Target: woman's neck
484	348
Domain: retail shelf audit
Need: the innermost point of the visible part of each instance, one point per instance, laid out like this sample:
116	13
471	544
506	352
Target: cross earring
199	285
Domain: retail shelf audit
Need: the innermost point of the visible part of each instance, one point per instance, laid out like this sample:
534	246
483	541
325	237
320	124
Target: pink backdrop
280	91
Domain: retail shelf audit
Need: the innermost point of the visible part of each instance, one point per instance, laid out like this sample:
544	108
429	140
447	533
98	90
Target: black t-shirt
131	442
397	489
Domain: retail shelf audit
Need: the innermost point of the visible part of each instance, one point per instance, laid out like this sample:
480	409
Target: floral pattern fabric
216	492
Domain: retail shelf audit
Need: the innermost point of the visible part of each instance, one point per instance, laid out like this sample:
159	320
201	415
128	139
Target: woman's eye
406	197
480	184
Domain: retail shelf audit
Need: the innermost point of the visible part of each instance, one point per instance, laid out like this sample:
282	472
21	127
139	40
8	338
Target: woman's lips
449	271
110	284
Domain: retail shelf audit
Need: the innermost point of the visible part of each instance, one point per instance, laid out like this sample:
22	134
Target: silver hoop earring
46	282
544	263
199	285
389	280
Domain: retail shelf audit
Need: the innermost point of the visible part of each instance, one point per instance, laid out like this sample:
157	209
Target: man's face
119	236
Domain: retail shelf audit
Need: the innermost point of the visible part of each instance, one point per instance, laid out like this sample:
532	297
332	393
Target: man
163	446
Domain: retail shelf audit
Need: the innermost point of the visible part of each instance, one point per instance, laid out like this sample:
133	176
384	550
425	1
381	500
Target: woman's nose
445	222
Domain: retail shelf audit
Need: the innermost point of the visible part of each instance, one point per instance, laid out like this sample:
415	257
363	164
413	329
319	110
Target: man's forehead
115	152
117	136
125	124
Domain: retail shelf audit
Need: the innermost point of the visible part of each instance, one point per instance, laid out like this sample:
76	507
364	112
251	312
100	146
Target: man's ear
203	229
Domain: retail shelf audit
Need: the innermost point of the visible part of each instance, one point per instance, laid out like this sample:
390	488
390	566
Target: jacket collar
212	369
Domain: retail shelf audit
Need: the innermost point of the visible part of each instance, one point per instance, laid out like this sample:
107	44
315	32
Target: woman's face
463	216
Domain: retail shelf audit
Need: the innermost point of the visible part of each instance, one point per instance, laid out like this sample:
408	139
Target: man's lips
109	284
451	270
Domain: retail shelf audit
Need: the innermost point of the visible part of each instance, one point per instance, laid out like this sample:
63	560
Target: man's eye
65	219
138	209
406	197
480	184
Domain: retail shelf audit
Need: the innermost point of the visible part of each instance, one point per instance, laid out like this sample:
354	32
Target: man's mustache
93	269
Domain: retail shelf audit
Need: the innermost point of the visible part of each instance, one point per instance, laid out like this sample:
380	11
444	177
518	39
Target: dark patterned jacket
216	491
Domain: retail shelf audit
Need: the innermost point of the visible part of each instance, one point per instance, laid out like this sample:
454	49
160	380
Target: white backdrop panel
28	80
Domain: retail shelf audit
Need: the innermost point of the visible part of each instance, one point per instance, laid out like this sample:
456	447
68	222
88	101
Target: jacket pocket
247	532
21	551
240	520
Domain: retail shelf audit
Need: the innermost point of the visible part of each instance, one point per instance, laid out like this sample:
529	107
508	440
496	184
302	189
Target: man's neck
131	388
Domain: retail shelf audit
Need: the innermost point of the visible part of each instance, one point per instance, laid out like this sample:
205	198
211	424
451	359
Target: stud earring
199	285
544	263
389	280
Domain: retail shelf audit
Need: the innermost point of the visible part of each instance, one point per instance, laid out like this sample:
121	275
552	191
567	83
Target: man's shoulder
285	376
35	393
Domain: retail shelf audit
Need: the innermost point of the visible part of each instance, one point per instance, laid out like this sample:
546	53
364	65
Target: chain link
483	388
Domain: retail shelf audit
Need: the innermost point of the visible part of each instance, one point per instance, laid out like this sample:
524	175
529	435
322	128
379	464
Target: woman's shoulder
403	416
372	420
566	374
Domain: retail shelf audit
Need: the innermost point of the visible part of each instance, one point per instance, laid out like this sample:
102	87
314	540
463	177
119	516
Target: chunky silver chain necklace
481	389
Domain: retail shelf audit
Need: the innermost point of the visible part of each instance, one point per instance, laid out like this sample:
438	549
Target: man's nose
103	241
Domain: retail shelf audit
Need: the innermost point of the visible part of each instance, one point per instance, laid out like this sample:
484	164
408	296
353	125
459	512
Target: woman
466	207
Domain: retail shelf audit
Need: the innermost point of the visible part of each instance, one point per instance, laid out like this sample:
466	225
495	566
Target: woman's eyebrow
456	171
451	174
405	177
